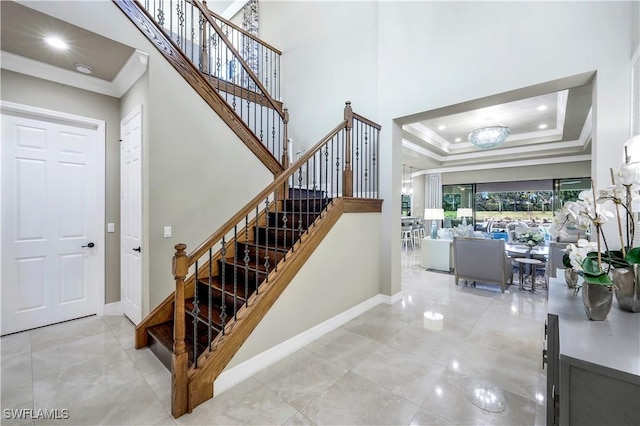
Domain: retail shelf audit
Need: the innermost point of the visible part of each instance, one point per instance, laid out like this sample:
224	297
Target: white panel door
131	215
49	218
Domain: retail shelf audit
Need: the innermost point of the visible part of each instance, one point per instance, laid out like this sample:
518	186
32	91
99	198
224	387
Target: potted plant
586	257
624	196
530	239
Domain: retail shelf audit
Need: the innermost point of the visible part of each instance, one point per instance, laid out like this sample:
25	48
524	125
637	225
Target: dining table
528	264
524	249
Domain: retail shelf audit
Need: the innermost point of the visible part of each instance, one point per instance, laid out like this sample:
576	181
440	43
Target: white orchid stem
613	182
596	222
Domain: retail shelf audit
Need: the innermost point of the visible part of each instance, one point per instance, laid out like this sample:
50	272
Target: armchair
482	260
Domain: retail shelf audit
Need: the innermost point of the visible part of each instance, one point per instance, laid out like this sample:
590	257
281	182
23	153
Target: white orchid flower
610	194
604	212
578	252
583	243
586	196
627	175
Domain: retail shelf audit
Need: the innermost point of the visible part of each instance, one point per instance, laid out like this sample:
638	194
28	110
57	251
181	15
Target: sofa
481	260
437	254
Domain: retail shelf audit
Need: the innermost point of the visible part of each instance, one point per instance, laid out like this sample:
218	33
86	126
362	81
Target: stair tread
216	283
163	333
265	247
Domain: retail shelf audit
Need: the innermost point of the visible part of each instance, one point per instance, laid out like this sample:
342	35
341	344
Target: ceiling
549	123
115	66
433	140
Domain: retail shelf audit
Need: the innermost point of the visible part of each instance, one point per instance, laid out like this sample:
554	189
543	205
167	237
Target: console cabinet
593	367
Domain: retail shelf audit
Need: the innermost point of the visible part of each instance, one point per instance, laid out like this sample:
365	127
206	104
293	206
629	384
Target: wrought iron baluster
257	240
180	25
275	243
161	14
210	304
223	273
308	197
326	169
299	206
195	313
262	119
266	61
266	254
235	273
193	35
170	18
247	259
314	185
333	141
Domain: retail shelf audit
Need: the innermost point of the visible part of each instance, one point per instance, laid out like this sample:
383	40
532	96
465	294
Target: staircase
268	246
226	285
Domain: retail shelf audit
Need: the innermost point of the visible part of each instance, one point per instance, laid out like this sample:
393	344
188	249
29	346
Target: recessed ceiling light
57	43
542	126
542	107
84	69
442	127
458	139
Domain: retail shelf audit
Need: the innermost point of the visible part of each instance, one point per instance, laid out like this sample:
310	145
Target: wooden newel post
285	152
347	175
180	357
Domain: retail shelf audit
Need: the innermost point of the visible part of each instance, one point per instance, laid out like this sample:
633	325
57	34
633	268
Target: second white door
131	215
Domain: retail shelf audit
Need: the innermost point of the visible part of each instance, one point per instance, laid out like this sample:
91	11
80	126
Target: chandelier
489	136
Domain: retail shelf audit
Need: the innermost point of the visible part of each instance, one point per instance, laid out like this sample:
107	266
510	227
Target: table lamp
433	215
464	213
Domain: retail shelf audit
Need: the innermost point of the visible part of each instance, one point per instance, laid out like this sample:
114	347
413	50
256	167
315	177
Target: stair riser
274	255
293	219
311	205
242	273
216	295
162	352
285	238
305	193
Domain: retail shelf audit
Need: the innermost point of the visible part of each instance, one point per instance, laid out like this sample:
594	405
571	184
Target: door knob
90	245
137	249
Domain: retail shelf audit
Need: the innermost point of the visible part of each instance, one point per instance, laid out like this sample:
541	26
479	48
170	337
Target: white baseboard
112	309
240	372
390	300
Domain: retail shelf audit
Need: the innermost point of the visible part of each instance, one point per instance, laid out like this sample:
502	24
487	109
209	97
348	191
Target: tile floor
382	367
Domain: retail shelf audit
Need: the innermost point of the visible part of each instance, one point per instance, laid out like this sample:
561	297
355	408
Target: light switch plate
111	227
167	232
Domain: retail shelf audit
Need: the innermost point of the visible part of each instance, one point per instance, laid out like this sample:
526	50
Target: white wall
319	292
329	57
435	54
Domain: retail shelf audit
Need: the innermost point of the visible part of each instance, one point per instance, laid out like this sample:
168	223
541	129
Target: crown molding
133	69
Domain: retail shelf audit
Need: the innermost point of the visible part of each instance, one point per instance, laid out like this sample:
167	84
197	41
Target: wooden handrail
242	30
251	205
367	121
238	56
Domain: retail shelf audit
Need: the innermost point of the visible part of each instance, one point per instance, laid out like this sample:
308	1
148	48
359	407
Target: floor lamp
433	215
